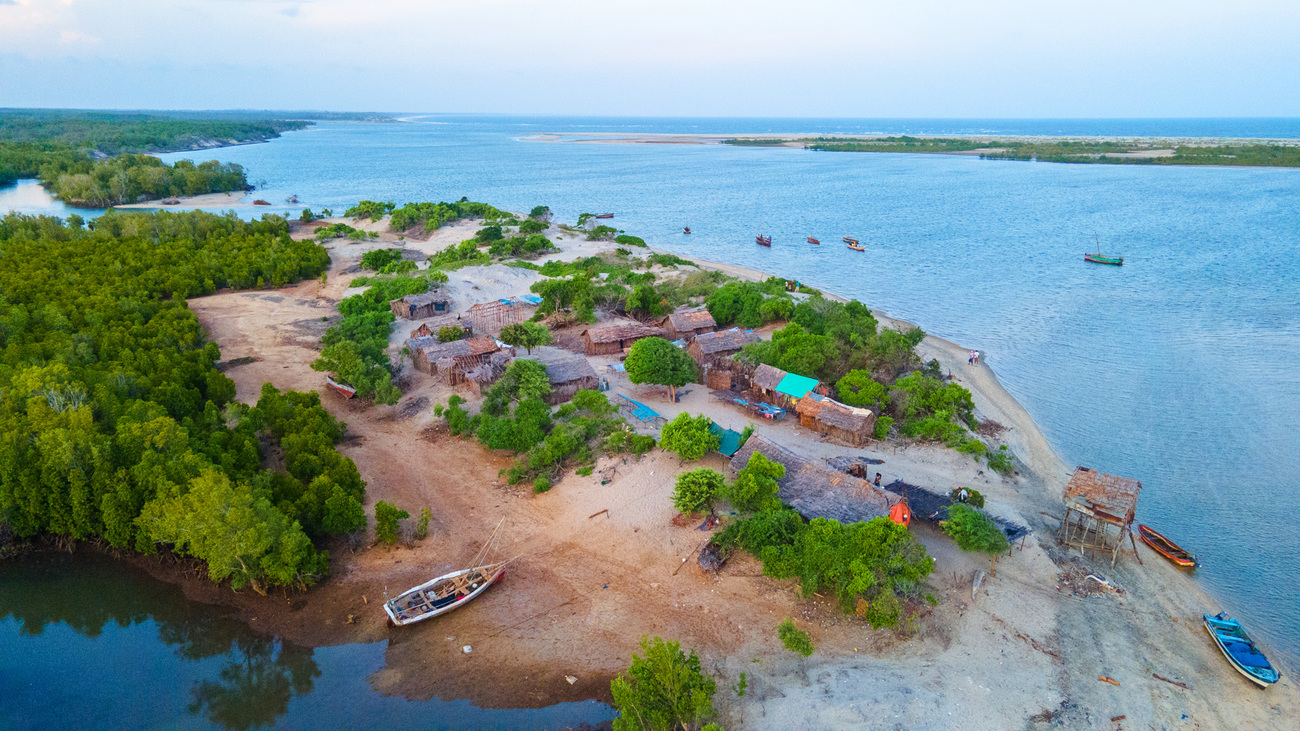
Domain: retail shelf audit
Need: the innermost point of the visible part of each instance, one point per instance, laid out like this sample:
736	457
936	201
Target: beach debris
975	585
1118	718
1108	679
604	512
1104	583
1184	686
571	679
467	649
711	558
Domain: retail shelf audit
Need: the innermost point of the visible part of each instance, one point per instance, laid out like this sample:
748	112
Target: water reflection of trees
254	686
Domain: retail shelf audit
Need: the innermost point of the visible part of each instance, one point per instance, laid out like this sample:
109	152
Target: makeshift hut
709	348
452	360
568	375
420	306
688	324
490	317
1099	512
816	491
831	418
477	379
430	328
613	339
783	389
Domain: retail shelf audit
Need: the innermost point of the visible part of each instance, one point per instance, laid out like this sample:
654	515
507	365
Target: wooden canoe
811	240
604	215
342	388
1100	259
1240	650
762	240
857	247
442	595
1165	547
849	240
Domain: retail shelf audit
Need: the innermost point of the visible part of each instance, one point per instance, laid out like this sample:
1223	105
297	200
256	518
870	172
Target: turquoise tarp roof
730	443
796	386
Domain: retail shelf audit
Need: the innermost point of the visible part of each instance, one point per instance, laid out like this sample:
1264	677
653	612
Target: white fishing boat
447	592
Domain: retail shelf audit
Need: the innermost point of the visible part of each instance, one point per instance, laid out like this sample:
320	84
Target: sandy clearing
585	589
238	199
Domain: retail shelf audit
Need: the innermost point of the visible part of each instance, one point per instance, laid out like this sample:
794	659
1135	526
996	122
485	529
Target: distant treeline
115	423
1101	151
69	152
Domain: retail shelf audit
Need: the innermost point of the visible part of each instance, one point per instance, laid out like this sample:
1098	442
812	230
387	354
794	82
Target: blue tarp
730	440
641	411
796	386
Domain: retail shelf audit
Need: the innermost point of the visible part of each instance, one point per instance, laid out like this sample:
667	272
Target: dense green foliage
527	335
431	216
696	490
972	530
386	517
571	295
113	420
353	350
113	133
663	690
657	361
626	240
450	333
530	245
131	178
379	258
464	254
858	388
688	436
755	487
340	230
373	210
794	639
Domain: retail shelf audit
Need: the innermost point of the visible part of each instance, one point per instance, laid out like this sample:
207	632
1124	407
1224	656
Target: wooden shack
707	348
816	491
420	306
613	339
568	375
688	324
1099	512
831	418
490	317
453	359
430	329
783	389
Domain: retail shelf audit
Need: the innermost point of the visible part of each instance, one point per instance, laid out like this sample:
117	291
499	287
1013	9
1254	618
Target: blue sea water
1181	368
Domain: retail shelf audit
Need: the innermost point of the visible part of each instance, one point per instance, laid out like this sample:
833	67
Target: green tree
689	436
540	213
450	333
523	380
755	487
644	301
664	690
795	350
794	639
974	531
858	388
527	335
696	490
386	517
657	361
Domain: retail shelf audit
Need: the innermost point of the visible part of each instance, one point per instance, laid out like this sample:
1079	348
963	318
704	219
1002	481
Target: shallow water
89	643
1181	368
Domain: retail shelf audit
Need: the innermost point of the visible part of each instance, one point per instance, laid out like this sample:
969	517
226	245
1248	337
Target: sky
815	58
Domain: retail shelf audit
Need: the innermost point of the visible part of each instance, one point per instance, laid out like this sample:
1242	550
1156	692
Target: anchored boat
686	230
762	240
447	592
1165	547
848	240
604	215
811	240
856	246
1100	258
1240	650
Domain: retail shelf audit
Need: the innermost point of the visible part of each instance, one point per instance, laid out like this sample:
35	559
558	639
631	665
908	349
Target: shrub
386	517
422	525
755	487
541	484
527	335
626	240
657	361
689	436
540	213
450	333
664	690
696	490
374	210
1001	460
379	258
975	531
858	388
883	424
488	233
794	639
533	226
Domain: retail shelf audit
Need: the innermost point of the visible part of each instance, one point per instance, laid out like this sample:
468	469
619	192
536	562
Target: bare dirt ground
1023	651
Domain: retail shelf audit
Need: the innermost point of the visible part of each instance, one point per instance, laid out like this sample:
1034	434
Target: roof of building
1107	496
816	491
837	415
566	369
627	331
725	341
767	377
437	295
796	385
690	320
420	343
459	348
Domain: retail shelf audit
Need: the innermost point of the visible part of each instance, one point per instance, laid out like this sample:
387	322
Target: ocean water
1180	369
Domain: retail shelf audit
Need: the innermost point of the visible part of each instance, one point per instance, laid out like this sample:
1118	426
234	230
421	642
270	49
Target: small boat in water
811	240
686	230
1100	258
857	247
762	240
1240	650
1166	547
848	240
604	215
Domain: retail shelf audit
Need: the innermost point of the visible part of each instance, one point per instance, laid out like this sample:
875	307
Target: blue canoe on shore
1240	650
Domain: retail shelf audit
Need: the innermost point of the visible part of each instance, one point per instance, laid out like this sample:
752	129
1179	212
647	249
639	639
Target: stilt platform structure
1099	513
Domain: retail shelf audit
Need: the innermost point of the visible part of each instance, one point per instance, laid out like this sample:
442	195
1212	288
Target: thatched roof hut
832	418
709	347
467	354
420	306
1099	511
613	339
817	491
688	324
568	375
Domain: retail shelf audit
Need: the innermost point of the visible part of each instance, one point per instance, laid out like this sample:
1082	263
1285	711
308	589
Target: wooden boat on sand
811	240
857	247
1165	547
762	240
1240	650
343	388
447	592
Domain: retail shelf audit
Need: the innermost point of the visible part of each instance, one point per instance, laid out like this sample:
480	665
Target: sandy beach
1023	651
207	200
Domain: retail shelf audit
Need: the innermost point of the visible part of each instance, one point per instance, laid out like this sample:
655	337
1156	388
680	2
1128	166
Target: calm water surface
1181	369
